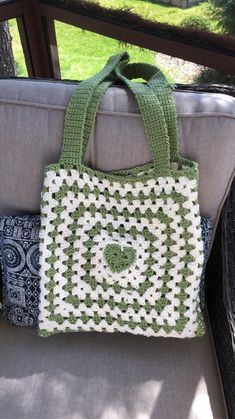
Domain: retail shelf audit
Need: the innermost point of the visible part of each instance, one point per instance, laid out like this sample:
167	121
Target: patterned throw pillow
19	245
19	257
0	289
206	237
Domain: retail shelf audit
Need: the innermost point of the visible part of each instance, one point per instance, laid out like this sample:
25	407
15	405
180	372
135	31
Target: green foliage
196	22
223	11
21	69
156	11
210	76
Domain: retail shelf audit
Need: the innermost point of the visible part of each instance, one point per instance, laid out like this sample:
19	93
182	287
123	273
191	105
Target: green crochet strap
91	111
152	115
76	112
153	119
158	83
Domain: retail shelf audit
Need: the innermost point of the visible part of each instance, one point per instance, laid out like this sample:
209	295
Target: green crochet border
145	172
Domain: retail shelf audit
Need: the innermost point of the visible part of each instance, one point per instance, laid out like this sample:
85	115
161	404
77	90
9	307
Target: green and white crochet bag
122	251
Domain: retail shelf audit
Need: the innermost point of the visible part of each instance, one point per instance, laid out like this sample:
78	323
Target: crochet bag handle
158	139
81	113
159	84
76	112
153	118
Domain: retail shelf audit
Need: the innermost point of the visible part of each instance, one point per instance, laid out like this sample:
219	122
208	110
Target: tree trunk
7	63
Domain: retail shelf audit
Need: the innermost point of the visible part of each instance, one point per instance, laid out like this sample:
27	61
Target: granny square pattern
19	248
136	257
11	309
33	223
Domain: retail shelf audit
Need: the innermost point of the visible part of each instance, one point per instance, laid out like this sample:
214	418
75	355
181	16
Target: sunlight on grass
21	69
84	53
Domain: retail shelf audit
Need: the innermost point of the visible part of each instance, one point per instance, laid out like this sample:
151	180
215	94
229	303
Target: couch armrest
220	281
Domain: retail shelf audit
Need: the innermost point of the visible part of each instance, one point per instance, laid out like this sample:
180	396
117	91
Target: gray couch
101	376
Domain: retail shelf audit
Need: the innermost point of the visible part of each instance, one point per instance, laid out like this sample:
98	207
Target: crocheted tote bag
122	251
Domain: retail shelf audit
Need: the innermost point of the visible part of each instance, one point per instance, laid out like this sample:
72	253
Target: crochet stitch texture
121	251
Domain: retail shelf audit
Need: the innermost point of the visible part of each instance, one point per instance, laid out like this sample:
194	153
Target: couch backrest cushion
31	127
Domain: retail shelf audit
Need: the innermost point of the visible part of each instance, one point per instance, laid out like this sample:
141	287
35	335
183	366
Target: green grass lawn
83	53
152	9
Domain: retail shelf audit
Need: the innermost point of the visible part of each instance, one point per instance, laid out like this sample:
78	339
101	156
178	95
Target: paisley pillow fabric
206	236
206	226
19	245
0	289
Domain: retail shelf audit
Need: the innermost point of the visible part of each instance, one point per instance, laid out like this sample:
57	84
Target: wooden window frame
35	20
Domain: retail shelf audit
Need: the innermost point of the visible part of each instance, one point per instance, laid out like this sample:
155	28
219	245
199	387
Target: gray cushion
94	376
103	376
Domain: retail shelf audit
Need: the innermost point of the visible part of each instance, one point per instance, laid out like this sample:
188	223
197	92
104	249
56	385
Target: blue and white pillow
19	248
206	226
20	262
0	289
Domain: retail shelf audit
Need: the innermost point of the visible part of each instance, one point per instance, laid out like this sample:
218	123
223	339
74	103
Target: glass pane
21	69
83	53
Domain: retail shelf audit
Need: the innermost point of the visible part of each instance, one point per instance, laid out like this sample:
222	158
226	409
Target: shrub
196	22
223	11
210	76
